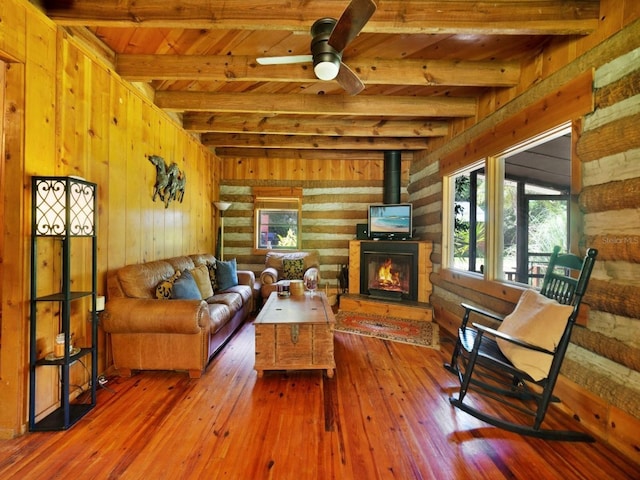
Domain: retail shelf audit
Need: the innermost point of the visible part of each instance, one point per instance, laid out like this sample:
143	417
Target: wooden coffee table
295	333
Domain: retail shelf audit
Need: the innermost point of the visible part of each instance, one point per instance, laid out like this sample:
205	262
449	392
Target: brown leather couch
151	334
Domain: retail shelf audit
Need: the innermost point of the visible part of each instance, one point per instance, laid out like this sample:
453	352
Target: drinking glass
311	281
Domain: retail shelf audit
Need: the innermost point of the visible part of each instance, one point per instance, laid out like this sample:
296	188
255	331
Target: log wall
601	375
68	113
336	196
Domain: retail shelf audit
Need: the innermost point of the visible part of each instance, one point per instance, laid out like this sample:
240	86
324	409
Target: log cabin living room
506	127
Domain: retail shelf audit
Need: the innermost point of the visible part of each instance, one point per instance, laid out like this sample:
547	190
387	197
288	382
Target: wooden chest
295	333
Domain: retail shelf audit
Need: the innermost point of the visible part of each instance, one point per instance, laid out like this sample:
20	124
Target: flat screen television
391	221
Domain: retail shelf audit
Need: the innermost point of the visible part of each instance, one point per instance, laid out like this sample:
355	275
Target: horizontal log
285	125
622	89
612	297
614	137
611	196
602	385
344	105
311	142
615	247
231	153
238	68
568	17
607	347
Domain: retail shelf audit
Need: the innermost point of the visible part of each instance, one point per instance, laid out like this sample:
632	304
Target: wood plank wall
68	113
601	376
336	196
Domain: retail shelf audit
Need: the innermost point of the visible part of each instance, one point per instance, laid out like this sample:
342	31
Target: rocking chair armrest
511	339
481	311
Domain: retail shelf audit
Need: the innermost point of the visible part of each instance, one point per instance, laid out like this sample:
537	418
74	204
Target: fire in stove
388	279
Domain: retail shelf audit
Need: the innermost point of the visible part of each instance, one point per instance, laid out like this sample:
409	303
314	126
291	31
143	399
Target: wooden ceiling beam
362	105
289	153
312	142
279	125
144	68
566	17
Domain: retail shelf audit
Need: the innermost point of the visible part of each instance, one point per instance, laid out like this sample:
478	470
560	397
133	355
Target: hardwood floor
385	415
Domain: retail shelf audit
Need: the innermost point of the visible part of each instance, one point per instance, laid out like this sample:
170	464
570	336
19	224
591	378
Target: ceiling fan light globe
326	70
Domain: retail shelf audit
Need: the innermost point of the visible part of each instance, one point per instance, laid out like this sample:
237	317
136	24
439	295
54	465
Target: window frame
284	199
494	166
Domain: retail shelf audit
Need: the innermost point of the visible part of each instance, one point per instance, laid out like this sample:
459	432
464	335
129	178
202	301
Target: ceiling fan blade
285	60
348	80
352	21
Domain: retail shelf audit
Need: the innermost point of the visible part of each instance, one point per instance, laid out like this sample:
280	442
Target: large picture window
277	219
509	211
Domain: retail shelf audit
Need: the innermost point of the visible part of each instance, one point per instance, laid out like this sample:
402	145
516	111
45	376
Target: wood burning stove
389	270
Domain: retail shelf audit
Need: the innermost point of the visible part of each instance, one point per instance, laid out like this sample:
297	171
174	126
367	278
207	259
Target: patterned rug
425	334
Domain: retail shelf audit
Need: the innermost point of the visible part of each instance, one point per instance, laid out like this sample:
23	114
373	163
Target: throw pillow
227	274
211	266
165	287
201	276
185	288
292	269
537	320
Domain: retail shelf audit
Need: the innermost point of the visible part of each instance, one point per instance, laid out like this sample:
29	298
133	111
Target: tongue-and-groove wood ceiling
423	62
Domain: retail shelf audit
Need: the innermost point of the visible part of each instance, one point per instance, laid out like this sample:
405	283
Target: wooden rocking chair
518	363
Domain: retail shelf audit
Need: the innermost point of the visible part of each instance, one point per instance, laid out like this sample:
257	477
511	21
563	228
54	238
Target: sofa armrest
246	277
142	315
269	275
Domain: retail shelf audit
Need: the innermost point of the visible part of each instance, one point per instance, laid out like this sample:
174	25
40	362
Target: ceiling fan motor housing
326	59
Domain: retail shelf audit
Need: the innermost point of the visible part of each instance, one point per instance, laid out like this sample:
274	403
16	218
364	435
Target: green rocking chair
527	349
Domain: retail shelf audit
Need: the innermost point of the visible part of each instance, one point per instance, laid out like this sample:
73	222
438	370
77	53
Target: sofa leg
195	373
124	372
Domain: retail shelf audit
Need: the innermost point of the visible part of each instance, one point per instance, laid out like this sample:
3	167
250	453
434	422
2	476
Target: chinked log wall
601	374
336	195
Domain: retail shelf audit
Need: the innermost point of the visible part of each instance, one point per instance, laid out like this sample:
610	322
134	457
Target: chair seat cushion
537	320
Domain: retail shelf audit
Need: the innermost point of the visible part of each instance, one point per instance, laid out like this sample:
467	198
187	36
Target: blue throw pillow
186	288
226	274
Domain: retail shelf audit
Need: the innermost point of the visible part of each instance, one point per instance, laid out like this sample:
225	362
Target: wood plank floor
385	415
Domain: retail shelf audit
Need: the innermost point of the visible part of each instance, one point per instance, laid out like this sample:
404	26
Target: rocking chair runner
503	364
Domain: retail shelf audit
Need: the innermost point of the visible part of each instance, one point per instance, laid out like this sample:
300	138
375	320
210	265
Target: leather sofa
148	333
275	269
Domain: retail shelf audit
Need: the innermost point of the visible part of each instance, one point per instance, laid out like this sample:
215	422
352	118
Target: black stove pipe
392	176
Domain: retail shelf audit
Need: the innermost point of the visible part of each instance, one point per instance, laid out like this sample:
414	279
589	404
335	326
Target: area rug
425	334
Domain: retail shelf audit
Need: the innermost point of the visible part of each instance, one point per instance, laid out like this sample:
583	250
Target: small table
295	333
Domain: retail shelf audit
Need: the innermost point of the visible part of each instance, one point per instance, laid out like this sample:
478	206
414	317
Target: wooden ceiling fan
329	39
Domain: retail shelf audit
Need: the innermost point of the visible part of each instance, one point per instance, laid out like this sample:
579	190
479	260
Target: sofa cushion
201	276
186	288
292	268
165	287
141	280
537	320
232	300
220	315
213	278
245	292
226	274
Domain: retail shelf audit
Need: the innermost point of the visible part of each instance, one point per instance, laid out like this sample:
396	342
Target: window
277	214
510	210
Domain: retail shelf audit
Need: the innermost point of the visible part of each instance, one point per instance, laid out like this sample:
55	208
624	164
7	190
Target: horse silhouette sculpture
170	181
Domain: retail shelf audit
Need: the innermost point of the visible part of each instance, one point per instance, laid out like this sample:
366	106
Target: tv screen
390	221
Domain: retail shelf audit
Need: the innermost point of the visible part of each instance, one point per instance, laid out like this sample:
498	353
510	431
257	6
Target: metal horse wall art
170	181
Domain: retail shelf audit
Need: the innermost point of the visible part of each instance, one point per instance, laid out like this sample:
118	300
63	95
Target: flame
386	277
